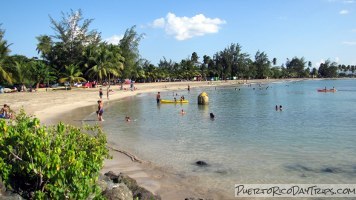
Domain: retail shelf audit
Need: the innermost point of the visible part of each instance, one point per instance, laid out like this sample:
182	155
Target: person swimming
182	112
127	118
212	116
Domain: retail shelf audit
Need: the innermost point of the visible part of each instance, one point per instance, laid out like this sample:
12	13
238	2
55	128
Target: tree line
76	53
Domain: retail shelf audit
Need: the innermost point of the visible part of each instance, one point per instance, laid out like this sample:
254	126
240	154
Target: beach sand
73	105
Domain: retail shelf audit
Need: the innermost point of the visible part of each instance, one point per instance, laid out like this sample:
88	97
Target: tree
44	46
262	65
328	69
71	75
314	72
4	53
310	64
296	67
167	67
274	61
107	60
194	57
72	36
129	47
40	72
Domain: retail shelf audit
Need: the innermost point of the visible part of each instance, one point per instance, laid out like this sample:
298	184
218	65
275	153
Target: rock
2	188
103	185
130	182
11	196
201	163
137	191
203	99
112	176
119	192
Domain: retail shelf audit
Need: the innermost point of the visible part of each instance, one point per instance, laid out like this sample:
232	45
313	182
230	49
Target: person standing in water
101	93
100	110
108	90
158	97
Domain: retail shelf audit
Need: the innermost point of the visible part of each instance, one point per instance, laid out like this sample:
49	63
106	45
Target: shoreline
72	106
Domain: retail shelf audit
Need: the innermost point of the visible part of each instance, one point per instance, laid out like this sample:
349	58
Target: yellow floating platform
173	101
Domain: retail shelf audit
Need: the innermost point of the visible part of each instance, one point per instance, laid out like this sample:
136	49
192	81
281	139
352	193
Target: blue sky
314	29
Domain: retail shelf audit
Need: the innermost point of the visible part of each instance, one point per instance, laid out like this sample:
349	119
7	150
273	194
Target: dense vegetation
58	162
77	53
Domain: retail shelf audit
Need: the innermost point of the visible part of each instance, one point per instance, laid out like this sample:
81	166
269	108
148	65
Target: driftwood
133	157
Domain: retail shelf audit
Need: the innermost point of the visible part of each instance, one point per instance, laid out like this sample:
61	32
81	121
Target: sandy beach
73	105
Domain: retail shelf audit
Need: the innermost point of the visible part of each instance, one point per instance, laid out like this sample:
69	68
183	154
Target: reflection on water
312	140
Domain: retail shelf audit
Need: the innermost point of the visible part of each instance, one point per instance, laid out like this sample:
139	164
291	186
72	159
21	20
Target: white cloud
349	1
349	43
337	59
344	12
115	39
159	23
183	28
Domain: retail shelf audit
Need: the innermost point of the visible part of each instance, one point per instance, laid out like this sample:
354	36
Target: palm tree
44	45
41	72
108	61
4	52
71	75
21	71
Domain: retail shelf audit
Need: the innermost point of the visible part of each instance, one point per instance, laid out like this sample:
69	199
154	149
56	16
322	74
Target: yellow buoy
203	98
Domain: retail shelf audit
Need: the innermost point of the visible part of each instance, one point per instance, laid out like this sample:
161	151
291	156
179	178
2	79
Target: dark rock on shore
201	163
114	187
118	192
137	191
8	195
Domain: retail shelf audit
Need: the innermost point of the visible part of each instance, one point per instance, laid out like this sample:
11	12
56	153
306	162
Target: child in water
127	118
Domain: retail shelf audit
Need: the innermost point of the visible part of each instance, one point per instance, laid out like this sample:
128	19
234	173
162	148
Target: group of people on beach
6	112
100	110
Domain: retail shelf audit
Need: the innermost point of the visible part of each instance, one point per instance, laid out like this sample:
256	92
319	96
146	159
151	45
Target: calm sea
312	140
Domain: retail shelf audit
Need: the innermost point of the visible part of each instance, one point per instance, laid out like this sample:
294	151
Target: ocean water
312	140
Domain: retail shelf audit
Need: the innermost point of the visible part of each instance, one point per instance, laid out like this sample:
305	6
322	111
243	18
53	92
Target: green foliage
57	162
328	69
4	52
71	74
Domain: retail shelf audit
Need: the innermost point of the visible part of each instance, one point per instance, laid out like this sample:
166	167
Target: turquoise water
311	141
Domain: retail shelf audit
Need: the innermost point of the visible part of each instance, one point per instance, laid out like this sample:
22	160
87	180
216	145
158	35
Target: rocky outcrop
118	192
8	195
113	187
137	191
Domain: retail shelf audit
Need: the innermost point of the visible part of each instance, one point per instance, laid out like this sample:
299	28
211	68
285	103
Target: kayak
326	90
172	101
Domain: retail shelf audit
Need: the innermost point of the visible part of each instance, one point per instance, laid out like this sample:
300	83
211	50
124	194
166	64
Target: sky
173	29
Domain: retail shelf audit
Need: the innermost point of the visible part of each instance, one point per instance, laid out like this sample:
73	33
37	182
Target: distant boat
327	90
173	101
